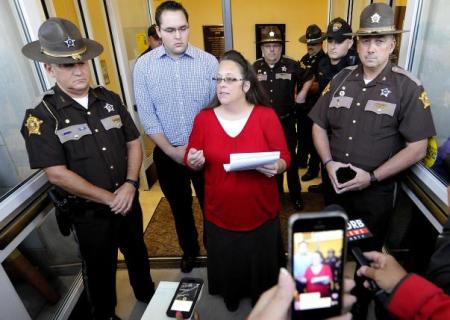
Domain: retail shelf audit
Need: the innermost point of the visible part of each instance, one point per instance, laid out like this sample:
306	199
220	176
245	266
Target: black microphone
357	231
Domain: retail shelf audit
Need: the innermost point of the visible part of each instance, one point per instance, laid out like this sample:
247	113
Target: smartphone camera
317	250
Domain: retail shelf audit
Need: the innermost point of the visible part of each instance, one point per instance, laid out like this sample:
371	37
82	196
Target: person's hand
123	199
359	182
300	98
384	269
332	167
274	304
314	87
179	315
177	154
195	159
269	170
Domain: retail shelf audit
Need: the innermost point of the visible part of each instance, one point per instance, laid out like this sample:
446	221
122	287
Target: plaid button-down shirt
170	92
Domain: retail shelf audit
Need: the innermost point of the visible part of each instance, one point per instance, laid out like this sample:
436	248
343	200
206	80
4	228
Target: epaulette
39	99
397	69
259	60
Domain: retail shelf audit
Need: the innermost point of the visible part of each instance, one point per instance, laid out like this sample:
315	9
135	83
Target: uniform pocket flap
283	76
112	122
75	132
341	102
380	107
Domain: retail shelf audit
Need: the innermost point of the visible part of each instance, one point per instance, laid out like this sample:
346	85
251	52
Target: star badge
33	124
385	92
69	42
375	18
109	107
337	26
424	98
283	68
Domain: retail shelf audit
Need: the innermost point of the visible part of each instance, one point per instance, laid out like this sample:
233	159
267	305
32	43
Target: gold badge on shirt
327	89
424	98
33	125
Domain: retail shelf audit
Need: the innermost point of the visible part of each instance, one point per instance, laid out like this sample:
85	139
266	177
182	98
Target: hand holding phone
185	297
312	237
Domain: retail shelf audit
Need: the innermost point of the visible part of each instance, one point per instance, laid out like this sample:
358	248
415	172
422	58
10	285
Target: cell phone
317	251
185	297
345	174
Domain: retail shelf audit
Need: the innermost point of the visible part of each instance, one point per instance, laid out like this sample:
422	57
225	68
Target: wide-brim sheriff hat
313	35
338	29
376	19
271	34
60	42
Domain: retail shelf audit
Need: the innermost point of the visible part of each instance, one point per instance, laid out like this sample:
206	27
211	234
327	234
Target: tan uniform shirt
368	124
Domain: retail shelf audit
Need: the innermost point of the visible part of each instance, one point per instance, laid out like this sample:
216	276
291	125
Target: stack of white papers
250	161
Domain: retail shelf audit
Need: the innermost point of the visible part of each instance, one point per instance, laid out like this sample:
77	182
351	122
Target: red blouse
243	200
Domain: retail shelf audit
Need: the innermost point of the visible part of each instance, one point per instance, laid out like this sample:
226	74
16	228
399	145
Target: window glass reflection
432	67
18	89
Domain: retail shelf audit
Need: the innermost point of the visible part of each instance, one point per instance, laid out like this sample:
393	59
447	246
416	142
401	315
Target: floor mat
161	239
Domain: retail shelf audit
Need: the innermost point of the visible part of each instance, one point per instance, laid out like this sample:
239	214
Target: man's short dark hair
169	5
151	32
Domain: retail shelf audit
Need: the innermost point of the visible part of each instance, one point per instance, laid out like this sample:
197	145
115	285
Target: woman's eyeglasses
227	80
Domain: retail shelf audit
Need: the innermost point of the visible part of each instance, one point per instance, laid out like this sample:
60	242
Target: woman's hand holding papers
269	170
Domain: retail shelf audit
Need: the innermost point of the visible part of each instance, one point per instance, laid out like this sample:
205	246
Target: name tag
380	107
112	122
283	76
75	132
341	102
261	77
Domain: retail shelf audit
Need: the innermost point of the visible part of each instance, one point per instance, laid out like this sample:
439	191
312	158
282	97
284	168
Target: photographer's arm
407	302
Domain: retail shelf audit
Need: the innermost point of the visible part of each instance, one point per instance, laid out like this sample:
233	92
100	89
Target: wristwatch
373	179
133	182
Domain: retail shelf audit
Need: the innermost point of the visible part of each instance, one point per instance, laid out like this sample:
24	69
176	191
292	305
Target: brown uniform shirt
91	142
368	124
279	83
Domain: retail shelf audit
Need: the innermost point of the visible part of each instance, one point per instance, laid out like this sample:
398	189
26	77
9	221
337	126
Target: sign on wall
213	40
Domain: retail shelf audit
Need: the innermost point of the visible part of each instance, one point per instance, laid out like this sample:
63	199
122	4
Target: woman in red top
318	276
241	207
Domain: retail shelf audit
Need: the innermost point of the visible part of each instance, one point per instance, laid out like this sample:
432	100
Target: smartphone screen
317	262
185	297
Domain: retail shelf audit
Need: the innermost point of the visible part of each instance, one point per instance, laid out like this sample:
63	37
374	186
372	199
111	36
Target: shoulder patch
326	89
408	74
33	124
